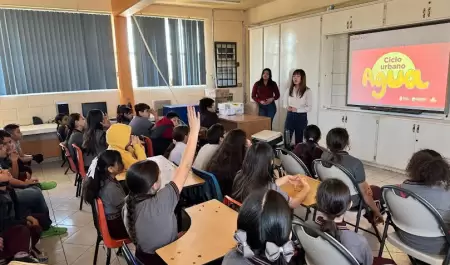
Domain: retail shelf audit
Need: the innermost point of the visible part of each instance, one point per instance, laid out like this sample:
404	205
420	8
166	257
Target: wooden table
22	263
250	124
210	236
311	198
168	168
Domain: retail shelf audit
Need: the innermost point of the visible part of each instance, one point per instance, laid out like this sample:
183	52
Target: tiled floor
77	247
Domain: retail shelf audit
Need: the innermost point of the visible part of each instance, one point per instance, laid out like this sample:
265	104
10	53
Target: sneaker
27	259
54	231
48	185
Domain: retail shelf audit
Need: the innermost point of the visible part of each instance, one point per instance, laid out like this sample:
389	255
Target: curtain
153	29
44	52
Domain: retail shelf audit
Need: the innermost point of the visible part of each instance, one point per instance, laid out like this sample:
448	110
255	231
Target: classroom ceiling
219	4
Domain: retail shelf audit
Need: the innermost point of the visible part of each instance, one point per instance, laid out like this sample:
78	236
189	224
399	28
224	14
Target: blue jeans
268	111
296	122
31	200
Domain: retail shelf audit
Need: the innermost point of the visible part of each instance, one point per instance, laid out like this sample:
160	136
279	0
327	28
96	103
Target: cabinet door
256	56
329	119
396	142
400	12
433	136
362	129
356	19
440	9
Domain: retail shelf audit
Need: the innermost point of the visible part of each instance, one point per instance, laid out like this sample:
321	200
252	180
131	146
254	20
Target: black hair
59	118
122	110
256	172
270	81
214	133
94	121
73	117
171	115
92	186
140	179
140	107
312	136
205	103
179	134
333	199
429	168
11	128
266	217
4	134
302	86
337	140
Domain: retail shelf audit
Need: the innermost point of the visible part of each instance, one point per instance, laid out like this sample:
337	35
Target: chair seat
116	243
425	257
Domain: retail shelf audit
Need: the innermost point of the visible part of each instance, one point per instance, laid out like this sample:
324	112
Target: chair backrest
80	160
129	257
413	214
320	248
66	151
291	163
102	226
211	182
148	146
330	170
232	203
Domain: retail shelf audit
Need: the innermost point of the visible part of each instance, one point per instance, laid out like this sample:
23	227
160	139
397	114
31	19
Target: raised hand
193	119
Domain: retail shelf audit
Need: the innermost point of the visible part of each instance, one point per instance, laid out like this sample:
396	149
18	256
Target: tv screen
403	68
86	107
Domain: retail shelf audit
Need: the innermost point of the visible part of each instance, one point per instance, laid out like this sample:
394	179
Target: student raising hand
193	119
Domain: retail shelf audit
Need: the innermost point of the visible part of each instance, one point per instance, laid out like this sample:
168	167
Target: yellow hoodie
118	138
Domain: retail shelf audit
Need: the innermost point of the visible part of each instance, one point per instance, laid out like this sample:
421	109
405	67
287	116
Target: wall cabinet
433	136
351	20
402	12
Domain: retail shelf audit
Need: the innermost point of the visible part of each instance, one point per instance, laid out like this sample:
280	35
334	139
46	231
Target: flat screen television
86	107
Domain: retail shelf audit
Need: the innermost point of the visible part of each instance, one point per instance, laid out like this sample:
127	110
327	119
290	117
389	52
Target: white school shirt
303	104
177	153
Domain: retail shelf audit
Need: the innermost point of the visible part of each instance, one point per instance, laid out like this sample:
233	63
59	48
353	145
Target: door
363	129
329	119
401	12
272	61
396	142
440	9
433	136
256	57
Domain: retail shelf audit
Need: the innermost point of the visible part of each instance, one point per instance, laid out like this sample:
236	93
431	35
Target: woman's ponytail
329	226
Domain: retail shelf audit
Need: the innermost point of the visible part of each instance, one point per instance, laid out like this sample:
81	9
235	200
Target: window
226	65
177	47
43	52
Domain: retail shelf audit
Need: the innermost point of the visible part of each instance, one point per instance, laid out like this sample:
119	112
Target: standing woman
298	102
265	92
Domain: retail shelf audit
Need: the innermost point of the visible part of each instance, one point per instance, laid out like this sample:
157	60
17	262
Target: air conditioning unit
158	105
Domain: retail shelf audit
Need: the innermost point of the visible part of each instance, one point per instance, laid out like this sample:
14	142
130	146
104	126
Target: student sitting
208	113
75	135
124	114
429	177
94	138
119	138
263	233
61	128
17	233
16	136
309	150
101	183
337	142
141	125
161	133
257	173
227	160
176	149
148	213
214	136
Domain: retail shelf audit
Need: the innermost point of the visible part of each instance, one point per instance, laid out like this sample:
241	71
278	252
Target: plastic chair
129	257
413	214
321	248
81	173
212	187
98	213
67	155
148	146
291	163
330	170
232	203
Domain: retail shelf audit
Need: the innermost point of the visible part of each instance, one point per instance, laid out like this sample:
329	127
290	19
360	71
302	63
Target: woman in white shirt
298	102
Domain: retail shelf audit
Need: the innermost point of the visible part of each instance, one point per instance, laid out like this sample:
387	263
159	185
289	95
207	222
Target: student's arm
255	93
182	171
14	170
296	201
368	199
139	150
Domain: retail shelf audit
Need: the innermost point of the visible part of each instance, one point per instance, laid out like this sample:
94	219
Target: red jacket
261	92
167	132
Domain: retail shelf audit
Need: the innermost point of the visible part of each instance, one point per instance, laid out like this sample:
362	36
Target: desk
22	263
210	236
167	169
250	124
40	139
311	198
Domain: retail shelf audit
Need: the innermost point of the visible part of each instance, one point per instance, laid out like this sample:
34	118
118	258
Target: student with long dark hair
265	92
61	121
102	183
227	160
94	139
75	136
309	150
149	208
124	114
263	231
298	102
176	149
429	177
214	137
258	173
338	141
208	113
140	124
